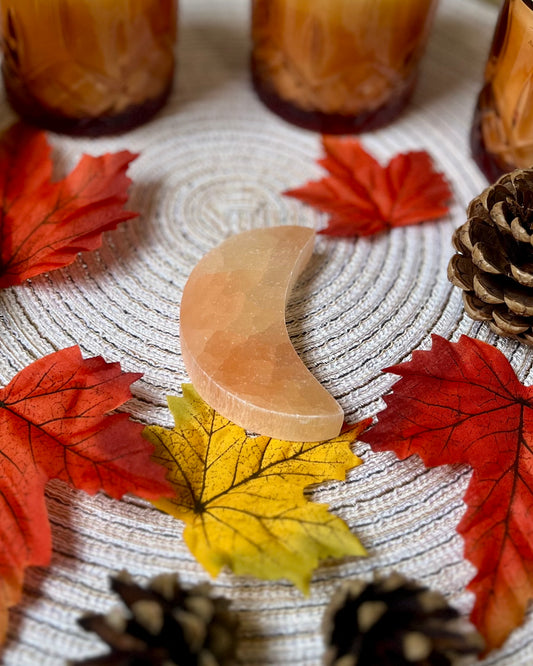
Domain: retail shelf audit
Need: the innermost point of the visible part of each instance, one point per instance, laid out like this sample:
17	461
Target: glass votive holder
338	66
502	128
88	67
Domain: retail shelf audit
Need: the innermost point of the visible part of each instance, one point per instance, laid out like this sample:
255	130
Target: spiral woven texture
213	163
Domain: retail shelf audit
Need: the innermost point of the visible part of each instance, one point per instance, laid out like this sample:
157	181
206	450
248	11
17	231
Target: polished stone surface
234	340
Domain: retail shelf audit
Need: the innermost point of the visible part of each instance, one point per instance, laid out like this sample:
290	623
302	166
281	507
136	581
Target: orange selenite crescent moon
235	343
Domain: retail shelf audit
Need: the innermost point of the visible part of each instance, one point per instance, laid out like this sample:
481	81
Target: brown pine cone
393	622
494	264
164	625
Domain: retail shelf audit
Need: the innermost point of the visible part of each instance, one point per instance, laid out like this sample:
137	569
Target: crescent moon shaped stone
234	339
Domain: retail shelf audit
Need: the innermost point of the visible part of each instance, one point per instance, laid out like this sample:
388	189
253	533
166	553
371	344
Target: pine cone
494	264
393	622
165	626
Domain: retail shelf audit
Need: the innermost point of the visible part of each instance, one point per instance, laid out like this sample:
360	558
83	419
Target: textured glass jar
502	129
338	66
88	67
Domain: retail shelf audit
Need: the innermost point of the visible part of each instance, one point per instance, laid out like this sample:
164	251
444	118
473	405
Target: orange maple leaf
364	198
55	424
44	224
462	403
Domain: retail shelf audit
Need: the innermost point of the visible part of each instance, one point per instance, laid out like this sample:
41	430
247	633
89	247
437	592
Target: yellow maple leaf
242	497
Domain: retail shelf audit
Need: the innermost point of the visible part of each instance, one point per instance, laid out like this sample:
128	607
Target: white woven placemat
214	163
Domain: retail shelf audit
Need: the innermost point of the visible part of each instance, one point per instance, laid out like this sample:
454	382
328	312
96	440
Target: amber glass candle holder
502	129
88	67
338	66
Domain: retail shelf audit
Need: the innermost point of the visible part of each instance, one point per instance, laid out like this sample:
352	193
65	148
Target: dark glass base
34	114
489	165
332	123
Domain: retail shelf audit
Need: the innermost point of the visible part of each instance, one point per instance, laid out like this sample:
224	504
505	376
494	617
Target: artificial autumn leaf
242	497
364	198
462	403
54	424
45	224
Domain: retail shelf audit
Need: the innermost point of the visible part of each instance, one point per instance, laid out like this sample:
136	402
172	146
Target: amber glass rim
93	126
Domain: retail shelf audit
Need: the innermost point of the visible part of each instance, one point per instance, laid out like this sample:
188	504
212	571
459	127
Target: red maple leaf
462	403
55	424
364	198
44	224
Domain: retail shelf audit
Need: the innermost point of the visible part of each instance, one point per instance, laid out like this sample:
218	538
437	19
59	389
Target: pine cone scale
475	308
488	289
484	257
508	323
460	272
519	301
461	240
523	274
